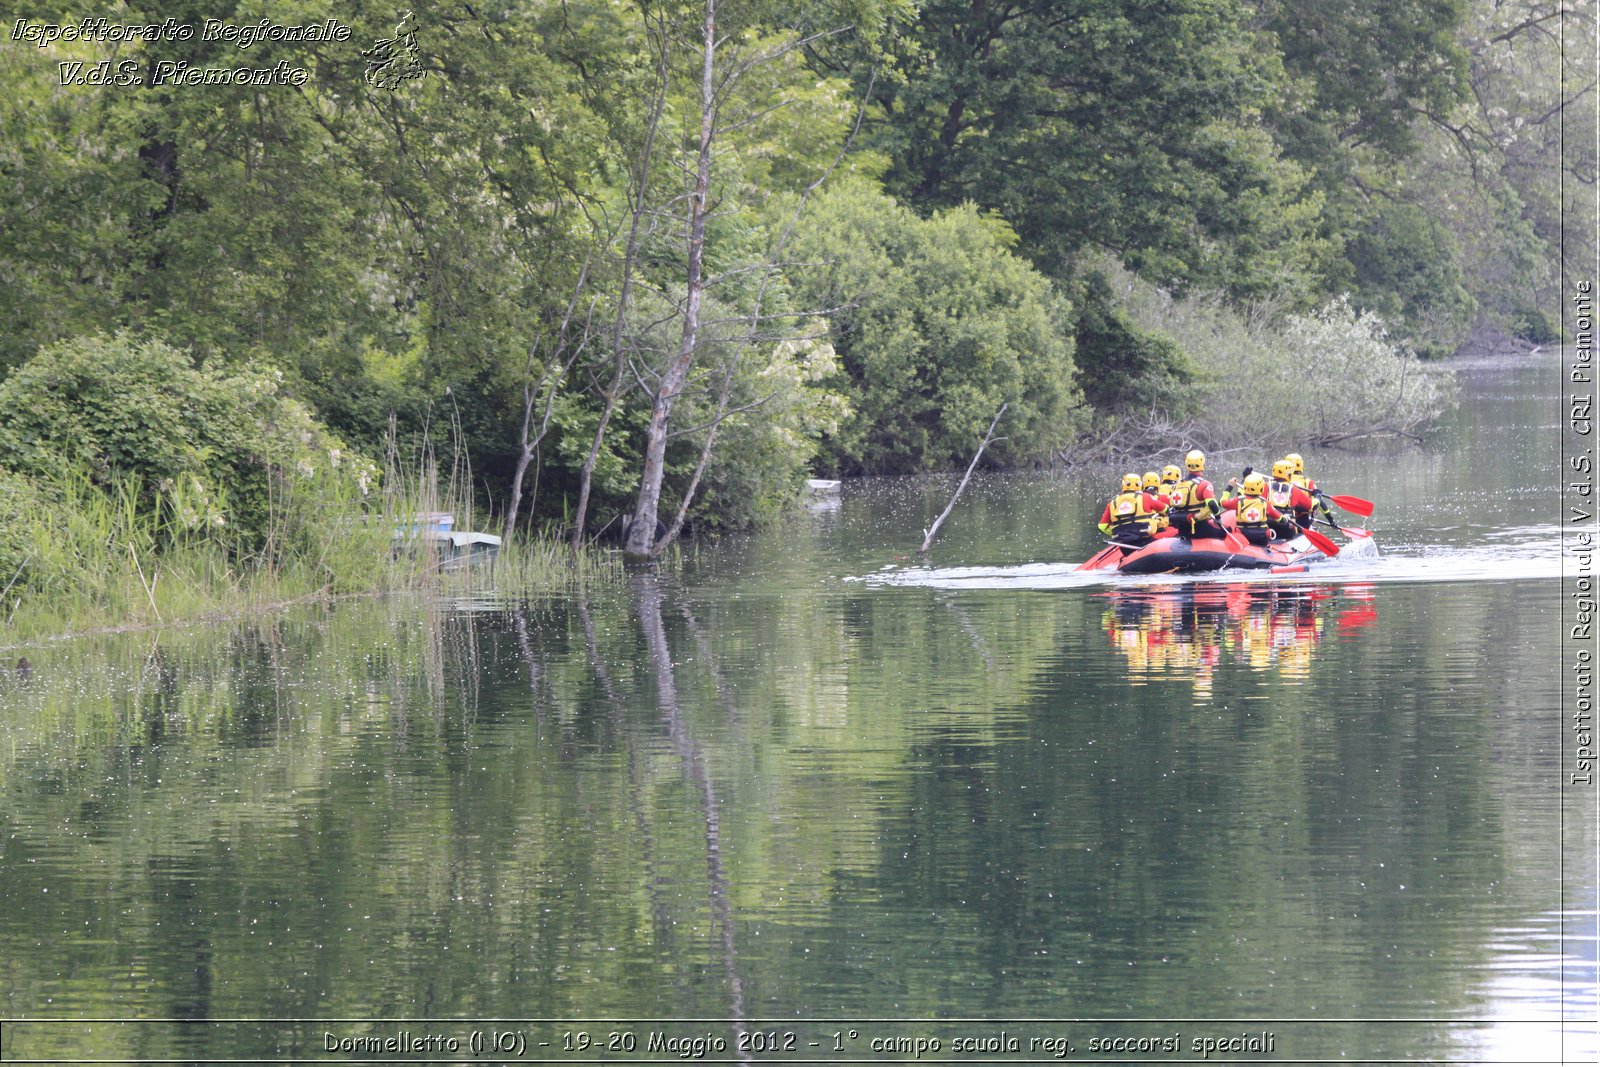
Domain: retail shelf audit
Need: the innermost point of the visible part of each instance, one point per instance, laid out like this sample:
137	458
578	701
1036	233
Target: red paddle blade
1353	504
1325	546
1320	543
1100	559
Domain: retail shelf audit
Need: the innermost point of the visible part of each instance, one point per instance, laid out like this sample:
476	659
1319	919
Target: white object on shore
455	547
822	485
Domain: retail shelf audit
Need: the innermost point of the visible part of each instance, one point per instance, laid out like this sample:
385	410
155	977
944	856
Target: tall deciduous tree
732	49
1363	84
1125	126
642	535
1360	74
1493	171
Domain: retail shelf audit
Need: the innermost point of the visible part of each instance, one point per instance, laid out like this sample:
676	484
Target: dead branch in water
928	534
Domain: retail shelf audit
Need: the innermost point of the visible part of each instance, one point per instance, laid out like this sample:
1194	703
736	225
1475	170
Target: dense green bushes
211	448
937	323
123	464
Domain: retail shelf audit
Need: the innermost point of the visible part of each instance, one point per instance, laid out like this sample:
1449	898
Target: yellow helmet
1255	484
1130	483
1151	479
1195	460
1299	464
1282	469
1171	473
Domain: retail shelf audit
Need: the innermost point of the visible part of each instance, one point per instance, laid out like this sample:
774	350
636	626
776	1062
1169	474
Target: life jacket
1186	499
1252	511
1128	508
1302	481
1280	494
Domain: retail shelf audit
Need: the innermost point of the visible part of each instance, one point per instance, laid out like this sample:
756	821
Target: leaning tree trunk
641	543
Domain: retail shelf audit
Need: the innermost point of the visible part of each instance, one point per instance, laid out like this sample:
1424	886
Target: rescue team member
1297	461
1194	506
1299	478
1152	484
1256	515
1289	498
1130	516
1170	477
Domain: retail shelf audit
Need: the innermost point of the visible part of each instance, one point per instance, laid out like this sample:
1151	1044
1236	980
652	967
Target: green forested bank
624	257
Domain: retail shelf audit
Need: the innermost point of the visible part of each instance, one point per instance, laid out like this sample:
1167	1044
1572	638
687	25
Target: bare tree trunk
640	545
725	392
586	478
700	465
524	457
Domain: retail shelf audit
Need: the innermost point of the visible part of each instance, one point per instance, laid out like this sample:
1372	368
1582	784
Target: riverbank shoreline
531	568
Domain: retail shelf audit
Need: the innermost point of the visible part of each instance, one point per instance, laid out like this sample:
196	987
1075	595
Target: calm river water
810	799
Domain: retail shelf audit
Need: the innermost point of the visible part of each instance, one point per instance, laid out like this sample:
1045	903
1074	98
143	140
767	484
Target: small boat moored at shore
435	532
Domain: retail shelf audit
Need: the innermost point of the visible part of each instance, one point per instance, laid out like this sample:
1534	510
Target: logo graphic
394	61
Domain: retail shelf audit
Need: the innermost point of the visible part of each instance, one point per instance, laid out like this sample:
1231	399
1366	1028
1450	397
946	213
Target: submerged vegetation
653	263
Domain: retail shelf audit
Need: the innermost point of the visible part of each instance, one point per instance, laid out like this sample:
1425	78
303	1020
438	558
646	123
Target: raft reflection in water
1186	631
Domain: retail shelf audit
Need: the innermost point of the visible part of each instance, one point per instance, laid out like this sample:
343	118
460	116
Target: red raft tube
1178	555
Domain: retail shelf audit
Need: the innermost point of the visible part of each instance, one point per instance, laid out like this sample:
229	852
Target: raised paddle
1353	504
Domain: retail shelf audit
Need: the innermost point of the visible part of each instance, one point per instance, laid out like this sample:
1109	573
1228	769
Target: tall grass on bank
78	556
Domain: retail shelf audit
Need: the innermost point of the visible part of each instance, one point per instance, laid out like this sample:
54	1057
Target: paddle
1351	532
1102	557
1353	504
1327	547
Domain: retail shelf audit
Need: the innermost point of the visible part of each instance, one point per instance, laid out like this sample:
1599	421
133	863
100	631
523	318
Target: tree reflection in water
693	761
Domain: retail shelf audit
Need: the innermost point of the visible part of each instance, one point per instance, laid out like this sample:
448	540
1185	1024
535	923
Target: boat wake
1504	555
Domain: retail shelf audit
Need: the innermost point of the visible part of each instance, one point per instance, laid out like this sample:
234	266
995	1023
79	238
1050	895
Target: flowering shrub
1357	381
